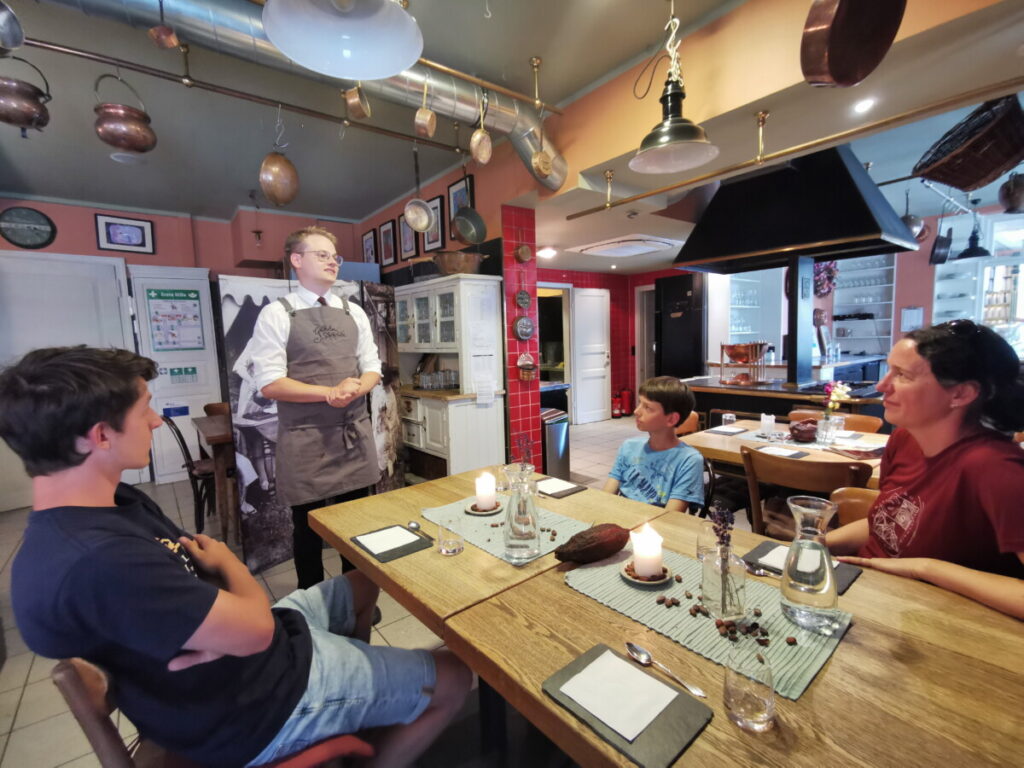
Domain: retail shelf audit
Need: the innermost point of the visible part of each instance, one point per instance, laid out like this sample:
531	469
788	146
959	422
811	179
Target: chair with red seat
86	689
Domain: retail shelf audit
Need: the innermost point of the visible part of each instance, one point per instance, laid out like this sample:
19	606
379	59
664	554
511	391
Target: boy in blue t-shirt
660	469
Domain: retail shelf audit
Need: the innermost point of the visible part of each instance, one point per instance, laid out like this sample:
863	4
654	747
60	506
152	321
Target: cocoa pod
595	543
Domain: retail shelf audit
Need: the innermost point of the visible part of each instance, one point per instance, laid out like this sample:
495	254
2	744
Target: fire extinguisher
616	407
626	396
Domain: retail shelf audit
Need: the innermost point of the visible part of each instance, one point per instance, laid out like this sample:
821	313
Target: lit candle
646	551
485	495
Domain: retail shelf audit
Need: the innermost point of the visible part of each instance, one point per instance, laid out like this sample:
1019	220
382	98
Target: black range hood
822	205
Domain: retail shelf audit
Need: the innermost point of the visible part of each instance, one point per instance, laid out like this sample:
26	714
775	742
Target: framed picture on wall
116	233
433	238
408	242
370	247
387	242
460	195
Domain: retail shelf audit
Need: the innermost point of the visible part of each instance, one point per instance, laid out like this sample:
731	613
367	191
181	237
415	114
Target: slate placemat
661	742
422	542
479	532
846	574
793	666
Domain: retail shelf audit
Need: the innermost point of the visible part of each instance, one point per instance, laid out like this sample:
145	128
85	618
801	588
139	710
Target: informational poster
175	319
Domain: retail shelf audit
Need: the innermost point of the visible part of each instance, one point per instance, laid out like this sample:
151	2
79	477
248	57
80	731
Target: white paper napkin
778	451
730	430
620	695
808	561
553	485
387	538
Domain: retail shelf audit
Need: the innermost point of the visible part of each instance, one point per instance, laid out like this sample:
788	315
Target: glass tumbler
749	691
449	534
728	419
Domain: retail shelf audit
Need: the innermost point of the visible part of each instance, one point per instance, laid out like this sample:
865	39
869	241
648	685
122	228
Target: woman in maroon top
950	508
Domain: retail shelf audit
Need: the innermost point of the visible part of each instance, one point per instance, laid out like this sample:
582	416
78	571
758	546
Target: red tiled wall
518	228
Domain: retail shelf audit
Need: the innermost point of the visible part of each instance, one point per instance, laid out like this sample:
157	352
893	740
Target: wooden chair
86	689
689	425
853	503
855	422
801	474
217	409
200	476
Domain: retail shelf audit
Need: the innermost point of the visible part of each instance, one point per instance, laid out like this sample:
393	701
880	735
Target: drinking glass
749	691
767	424
728	418
449	534
839	420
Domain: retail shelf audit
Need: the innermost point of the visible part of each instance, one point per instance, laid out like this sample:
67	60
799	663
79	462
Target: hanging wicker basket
979	149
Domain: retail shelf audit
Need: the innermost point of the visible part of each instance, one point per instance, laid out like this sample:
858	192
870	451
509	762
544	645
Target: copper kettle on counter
123	127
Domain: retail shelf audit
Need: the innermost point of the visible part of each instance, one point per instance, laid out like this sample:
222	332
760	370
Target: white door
49	300
591	355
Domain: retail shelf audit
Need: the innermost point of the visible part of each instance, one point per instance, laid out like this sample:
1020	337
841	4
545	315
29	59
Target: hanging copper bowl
123	127
278	179
23	104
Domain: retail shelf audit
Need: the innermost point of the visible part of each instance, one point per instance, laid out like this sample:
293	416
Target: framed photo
408	242
387	242
115	233
370	247
460	195
433	238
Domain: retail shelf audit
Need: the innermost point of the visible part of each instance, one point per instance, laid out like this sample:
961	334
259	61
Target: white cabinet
456	314
435	426
466	433
862	304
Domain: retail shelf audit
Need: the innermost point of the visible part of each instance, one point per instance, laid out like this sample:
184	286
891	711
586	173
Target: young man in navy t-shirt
203	665
659	469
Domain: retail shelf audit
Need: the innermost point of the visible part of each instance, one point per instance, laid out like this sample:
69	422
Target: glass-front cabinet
862	304
446	318
423	312
404	319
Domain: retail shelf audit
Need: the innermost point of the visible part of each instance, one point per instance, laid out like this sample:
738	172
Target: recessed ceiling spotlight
547	253
864	105
614	266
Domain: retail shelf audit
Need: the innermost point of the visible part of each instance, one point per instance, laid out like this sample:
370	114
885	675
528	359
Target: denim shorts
352	685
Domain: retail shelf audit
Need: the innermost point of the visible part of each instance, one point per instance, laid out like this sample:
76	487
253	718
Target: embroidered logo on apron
322	333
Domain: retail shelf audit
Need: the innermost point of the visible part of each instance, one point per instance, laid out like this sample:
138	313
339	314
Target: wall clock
523	327
27	227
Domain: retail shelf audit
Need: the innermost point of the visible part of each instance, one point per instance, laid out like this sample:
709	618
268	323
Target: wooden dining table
726	448
216	436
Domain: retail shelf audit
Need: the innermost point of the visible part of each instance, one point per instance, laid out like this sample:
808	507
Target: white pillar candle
485	494
646	551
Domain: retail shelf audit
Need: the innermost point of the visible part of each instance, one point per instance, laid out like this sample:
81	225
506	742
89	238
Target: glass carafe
522	534
809	596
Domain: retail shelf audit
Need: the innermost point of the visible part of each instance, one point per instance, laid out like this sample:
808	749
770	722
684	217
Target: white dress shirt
270	336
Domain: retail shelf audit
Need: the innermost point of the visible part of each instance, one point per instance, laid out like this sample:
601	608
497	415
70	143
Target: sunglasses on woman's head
960	327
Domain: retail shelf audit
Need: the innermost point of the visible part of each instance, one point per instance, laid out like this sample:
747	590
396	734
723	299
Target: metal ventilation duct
235	27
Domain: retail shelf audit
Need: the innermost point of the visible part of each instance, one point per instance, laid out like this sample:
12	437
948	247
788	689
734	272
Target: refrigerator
680	325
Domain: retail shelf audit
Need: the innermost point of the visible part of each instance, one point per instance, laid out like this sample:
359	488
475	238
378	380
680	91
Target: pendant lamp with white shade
348	39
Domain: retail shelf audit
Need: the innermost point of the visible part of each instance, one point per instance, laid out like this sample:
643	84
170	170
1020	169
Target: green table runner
793	666
477	530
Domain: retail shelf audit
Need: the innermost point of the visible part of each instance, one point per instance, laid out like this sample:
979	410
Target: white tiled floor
36	729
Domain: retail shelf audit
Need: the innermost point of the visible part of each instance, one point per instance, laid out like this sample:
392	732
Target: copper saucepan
358	104
480	141
844	40
425	122
418	215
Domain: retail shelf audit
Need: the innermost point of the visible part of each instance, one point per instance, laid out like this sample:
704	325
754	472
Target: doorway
554	345
646	347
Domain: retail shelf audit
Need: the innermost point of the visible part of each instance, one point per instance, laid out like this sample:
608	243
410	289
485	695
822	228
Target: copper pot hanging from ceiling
22	104
123	127
279	179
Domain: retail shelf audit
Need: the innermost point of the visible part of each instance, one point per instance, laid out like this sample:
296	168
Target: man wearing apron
314	354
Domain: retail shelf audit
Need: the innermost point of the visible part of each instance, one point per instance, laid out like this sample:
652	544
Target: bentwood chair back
217	409
200	477
855	422
689	425
86	689
800	474
853	503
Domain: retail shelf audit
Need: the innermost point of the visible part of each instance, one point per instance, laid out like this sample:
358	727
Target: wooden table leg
221	460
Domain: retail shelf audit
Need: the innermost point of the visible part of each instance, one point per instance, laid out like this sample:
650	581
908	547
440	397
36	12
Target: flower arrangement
725	588
722	520
825	274
837	393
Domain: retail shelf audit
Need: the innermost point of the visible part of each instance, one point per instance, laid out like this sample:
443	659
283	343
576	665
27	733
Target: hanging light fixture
973	250
675	144
349	39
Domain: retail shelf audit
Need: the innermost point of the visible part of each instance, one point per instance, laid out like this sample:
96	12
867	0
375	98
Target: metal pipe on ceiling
929	110
190	82
235	27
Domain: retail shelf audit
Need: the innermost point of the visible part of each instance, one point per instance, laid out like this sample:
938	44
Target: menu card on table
556	488
391	543
647	719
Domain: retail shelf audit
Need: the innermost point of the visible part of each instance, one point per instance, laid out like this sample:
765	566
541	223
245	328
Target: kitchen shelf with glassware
865	285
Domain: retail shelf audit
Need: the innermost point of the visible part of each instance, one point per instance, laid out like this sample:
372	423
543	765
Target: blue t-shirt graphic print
655	477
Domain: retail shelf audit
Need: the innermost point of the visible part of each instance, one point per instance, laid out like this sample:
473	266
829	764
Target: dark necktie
321	301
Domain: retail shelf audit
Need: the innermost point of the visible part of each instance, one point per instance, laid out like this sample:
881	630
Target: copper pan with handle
845	40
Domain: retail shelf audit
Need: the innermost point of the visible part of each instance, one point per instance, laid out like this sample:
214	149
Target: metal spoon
753	570
415	528
643	656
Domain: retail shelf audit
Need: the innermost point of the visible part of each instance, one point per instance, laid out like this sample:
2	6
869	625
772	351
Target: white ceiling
210	146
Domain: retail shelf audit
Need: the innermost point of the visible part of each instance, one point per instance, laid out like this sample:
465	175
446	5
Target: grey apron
323	451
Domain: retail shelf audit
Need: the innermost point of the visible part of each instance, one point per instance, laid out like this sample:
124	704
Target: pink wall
223	247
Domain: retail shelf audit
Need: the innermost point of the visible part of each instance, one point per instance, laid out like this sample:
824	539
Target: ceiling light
547	253
350	39
614	266
675	144
973	250
864	105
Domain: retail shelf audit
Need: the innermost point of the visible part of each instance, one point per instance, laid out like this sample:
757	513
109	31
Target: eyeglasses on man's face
324	256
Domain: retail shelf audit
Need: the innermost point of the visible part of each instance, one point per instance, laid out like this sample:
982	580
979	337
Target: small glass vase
826	430
723	583
809	595
522	534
